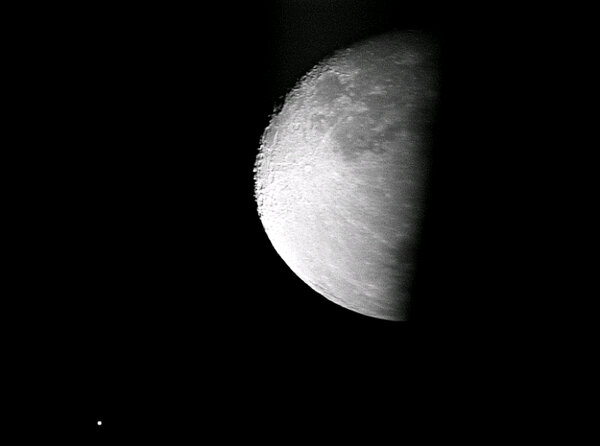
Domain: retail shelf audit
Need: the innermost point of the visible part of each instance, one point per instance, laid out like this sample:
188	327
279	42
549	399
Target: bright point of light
99	423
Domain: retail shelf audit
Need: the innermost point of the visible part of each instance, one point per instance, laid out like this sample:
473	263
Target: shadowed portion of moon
342	170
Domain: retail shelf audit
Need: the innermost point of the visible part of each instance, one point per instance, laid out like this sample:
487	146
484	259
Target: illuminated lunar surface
341	173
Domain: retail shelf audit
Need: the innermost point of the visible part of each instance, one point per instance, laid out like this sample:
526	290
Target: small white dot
99	423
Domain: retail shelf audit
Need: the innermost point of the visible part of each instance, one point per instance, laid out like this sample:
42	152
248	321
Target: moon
342	169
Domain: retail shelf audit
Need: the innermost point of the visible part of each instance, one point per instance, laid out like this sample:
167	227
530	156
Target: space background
158	303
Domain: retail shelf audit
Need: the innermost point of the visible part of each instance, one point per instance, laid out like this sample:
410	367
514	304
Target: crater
356	135
327	89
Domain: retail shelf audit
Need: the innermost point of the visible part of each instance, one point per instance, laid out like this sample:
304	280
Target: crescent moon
342	168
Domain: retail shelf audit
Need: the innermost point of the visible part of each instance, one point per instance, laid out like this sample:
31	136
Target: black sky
163	298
